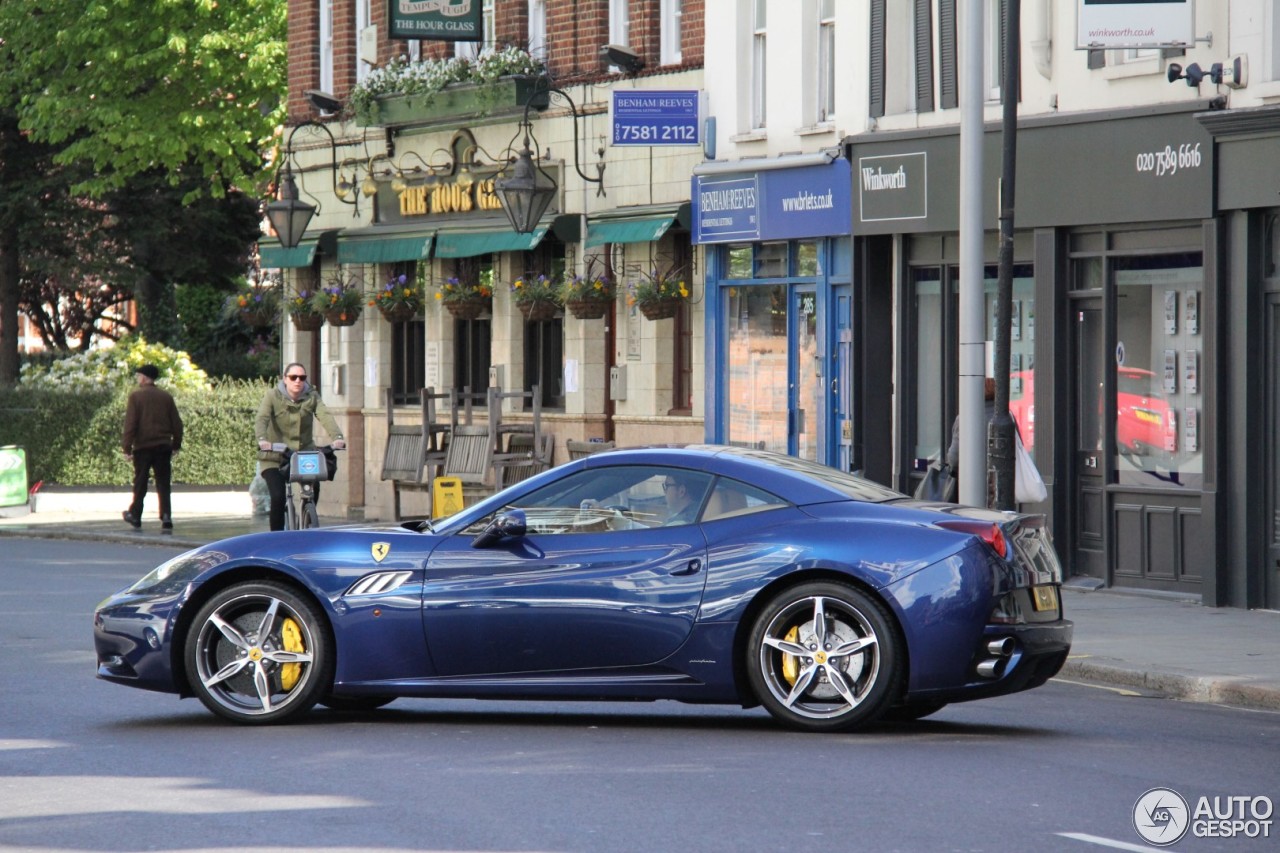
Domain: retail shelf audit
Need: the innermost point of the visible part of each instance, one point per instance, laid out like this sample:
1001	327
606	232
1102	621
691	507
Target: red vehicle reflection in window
1145	425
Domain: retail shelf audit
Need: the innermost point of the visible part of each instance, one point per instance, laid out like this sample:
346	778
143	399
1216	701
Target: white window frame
364	17
538	29
993	49
670	32
759	55
488	39
325	45
619	22
826	65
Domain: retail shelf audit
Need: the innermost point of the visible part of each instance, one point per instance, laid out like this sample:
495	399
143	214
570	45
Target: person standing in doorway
287	416
988	412
152	436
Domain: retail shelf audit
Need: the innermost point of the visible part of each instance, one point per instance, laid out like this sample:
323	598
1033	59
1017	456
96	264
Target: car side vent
378	582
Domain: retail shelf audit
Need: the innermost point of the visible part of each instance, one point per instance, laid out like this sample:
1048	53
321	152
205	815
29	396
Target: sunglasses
299	377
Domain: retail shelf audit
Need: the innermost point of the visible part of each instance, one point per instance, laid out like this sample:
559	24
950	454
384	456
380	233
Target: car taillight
988	532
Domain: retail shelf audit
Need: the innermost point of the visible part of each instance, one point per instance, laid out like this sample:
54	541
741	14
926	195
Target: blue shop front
776	242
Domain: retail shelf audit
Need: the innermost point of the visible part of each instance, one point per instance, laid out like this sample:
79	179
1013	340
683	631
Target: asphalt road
86	765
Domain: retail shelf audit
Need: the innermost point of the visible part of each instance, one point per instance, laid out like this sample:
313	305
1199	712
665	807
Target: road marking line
1104	842
1122	691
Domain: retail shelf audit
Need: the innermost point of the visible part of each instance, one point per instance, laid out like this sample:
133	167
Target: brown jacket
151	420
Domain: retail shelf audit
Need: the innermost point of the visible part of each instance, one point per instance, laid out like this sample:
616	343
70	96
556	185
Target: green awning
384	250
627	230
466	244
278	257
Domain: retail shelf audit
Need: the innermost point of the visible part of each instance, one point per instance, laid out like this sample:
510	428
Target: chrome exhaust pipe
990	668
1002	647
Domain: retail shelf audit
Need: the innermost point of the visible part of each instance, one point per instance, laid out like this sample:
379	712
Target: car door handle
691	569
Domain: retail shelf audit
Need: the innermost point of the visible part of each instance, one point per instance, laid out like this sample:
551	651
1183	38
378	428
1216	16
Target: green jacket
282	420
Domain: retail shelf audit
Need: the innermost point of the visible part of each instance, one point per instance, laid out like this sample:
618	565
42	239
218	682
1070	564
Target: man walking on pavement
152	435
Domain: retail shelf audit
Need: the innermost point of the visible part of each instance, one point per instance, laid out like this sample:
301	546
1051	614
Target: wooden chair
523	458
579	449
469	458
404	460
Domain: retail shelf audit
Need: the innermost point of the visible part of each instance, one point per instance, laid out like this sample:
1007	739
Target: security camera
323	101
623	57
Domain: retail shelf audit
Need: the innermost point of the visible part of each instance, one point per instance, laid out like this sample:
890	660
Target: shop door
1088	484
841	403
1272	444
806	408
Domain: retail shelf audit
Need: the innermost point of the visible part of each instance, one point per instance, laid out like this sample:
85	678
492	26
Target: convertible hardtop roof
796	480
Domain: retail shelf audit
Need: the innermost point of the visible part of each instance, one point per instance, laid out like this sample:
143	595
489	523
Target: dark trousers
145	461
275	486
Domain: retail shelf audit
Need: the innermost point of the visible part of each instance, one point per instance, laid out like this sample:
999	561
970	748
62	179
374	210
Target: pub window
471	351
472	338
326	45
544	360
544	339
408	347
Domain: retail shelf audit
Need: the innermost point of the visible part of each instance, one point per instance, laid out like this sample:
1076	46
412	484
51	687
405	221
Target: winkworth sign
774	204
448	20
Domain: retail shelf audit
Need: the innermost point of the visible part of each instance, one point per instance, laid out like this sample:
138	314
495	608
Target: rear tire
824	657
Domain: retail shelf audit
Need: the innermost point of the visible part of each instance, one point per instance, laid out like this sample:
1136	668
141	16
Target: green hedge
73	439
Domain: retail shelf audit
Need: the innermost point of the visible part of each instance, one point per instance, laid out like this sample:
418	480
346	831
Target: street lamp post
1001	430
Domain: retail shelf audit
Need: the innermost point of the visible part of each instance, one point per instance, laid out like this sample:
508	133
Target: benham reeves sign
893	186
446	20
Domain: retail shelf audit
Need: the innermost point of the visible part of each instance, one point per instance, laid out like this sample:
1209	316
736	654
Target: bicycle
306	468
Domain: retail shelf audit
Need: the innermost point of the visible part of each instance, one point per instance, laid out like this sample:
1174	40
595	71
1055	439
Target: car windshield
855	487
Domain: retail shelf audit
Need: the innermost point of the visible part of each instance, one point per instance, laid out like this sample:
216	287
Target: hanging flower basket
467	309
660	309
260	319
307	322
538	310
588	309
341	316
399	313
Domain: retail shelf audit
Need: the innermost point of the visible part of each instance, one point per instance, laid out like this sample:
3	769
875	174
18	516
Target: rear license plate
1044	598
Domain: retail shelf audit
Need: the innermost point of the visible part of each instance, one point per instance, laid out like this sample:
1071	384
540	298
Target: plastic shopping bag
1028	485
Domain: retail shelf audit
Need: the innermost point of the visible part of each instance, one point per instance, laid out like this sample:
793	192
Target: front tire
824	657
259	653
310	519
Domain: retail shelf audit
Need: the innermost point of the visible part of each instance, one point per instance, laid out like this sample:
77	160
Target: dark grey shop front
1116	367
1248	198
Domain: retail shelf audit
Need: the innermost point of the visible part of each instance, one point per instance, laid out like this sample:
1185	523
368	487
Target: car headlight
180	569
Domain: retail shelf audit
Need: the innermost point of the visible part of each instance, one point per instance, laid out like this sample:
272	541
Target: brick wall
576	30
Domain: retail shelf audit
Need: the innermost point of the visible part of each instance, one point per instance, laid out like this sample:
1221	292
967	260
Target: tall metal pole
972	348
1000	432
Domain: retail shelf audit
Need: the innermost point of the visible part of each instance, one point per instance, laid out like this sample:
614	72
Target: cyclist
287	416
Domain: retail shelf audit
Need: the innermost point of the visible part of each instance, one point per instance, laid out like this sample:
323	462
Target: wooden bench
414	452
579	449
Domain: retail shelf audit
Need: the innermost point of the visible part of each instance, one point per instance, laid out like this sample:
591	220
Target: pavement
1149	644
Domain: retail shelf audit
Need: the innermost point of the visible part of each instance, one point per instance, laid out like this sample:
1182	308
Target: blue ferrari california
701	574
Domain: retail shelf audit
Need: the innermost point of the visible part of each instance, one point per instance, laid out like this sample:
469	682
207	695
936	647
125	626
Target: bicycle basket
308	466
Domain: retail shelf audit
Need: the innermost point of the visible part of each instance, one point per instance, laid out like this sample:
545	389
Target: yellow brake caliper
291	638
791	663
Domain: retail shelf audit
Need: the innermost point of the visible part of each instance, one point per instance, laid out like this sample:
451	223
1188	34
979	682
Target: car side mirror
505	525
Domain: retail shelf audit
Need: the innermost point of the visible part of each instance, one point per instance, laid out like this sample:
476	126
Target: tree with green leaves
136	102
